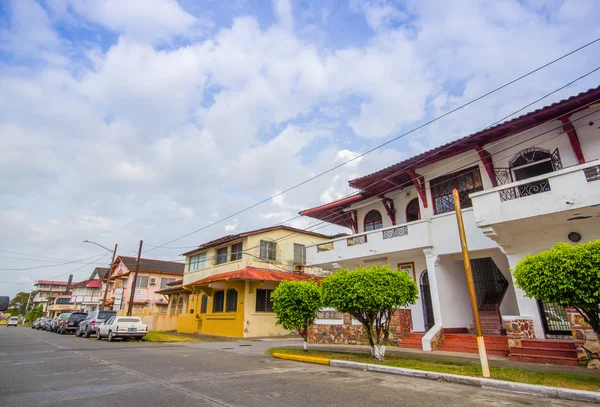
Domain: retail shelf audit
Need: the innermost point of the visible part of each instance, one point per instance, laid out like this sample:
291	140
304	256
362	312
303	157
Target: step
469	338
473	345
548	343
414	336
565	353
471	350
548	360
411	340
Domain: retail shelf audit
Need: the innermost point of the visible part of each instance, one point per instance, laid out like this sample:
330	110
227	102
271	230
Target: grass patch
571	381
153	336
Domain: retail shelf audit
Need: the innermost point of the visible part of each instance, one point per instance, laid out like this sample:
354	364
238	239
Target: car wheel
78	333
111	336
87	332
62	331
98	337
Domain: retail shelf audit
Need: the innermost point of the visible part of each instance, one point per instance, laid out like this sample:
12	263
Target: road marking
29	363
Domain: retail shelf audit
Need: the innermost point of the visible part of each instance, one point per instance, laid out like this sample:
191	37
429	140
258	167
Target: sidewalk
471	358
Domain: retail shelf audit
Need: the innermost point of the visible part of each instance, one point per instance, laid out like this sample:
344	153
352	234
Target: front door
426	302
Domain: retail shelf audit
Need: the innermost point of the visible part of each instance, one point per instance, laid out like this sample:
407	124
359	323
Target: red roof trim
52	282
334	204
256	274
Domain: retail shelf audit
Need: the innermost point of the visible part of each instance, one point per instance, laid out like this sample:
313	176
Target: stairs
490	323
549	351
412	340
466	343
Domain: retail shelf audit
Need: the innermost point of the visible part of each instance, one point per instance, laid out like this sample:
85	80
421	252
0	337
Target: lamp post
114	253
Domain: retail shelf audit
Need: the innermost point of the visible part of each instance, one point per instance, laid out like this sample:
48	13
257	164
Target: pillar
527	306
432	260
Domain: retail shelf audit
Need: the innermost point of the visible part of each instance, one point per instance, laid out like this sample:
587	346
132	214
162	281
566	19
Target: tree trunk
305	346
378	352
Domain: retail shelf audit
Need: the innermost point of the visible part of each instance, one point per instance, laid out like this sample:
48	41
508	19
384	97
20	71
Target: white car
122	327
14	321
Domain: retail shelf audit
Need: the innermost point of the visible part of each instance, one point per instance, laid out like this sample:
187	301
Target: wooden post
112	263
485	368
137	269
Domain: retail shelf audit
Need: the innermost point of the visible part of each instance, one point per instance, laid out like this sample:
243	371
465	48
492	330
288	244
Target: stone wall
349	333
517	329
586	340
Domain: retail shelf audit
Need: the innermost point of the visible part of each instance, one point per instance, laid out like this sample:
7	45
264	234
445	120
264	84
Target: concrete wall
453	293
260	323
160	323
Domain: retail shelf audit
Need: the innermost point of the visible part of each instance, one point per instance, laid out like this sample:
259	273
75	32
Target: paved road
44	369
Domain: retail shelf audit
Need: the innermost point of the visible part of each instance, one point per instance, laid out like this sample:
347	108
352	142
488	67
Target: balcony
413	235
569	193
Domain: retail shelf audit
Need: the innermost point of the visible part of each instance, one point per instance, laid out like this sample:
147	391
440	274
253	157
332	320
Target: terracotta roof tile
256	274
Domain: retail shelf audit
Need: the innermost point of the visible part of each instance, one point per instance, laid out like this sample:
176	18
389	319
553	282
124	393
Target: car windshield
106	315
14	318
77	317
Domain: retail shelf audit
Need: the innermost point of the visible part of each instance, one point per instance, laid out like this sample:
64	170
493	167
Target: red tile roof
231	238
158	266
256	274
400	174
88	283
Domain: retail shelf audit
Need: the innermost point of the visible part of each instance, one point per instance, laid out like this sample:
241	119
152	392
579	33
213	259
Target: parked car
44	323
50	324
59	321
40	322
35	323
89	326
122	327
14	321
71	322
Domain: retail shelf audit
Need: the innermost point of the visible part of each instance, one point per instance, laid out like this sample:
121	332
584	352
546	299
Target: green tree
565	274
371	295
34	314
295	304
18	304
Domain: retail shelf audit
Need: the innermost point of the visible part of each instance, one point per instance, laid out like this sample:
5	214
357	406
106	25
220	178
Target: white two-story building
524	185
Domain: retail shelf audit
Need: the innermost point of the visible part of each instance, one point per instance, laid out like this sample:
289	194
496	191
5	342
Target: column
527	306
432	260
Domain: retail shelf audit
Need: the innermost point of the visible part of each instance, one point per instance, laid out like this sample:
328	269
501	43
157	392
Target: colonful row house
524	185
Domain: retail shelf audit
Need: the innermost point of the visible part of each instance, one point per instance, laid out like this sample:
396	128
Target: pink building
153	275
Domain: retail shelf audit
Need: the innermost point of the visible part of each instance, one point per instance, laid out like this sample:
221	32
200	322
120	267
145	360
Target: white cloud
230	228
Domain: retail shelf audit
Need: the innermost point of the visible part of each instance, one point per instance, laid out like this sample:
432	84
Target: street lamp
114	253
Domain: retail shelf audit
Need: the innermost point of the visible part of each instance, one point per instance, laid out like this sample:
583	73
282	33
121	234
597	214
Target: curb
512	387
301	358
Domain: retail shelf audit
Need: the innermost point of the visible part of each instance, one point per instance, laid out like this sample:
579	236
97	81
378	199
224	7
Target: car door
105	326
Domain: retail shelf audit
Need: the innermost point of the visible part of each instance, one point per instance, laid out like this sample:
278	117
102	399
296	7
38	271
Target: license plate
132	329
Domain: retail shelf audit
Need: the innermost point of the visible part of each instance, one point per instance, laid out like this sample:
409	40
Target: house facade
43	291
524	185
227	285
152	275
85	295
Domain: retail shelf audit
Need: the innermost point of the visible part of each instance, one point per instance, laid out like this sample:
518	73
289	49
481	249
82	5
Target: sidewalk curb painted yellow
301	358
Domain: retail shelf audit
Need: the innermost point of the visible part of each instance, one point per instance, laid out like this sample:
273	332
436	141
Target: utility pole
485	368
137	269
107	279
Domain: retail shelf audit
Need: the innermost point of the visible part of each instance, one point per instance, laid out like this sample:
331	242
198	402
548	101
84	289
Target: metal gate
554	319
426	302
490	284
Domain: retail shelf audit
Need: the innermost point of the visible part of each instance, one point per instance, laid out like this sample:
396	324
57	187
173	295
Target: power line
50	265
377	147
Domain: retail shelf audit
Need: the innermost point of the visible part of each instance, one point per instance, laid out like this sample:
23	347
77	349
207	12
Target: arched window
413	212
180	306
532	162
373	220
173	305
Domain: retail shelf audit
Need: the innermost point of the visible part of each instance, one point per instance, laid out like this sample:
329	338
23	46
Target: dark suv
89	326
71	323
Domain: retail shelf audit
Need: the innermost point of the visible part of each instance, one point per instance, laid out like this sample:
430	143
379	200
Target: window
236	251
466	182
263	301
62	301
204	304
141	282
218	300
268	250
299	254
222	255
165	281
180	306
413	212
232	297
373	220
161	308
197	262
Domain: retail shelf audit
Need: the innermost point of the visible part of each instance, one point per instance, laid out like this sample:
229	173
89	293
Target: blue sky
122	121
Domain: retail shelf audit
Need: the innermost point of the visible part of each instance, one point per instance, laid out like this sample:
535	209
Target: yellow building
228	282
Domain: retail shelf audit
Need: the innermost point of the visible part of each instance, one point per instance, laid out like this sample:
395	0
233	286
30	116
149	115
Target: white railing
391	239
